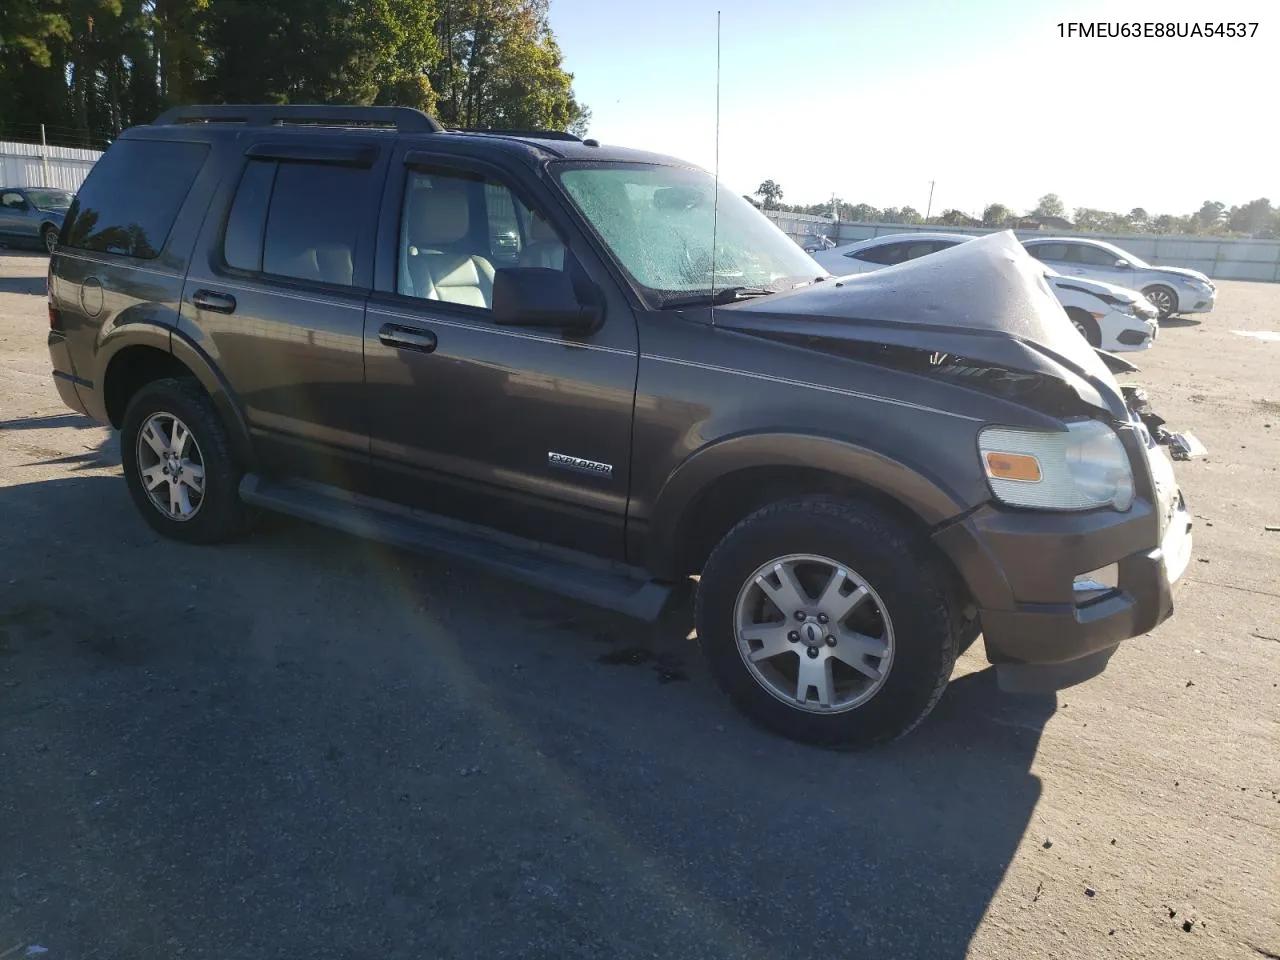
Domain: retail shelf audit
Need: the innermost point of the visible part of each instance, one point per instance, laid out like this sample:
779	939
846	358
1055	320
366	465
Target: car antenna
715	201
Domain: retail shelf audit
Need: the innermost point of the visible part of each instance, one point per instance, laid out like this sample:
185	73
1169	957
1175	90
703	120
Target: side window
13	201
129	201
312	222
458	228
242	244
1049	251
885	254
1095	256
916	250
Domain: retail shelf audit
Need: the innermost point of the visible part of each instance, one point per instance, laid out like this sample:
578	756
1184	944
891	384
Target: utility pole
929	207
44	156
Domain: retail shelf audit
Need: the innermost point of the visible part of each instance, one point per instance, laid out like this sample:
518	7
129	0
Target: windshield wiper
718	298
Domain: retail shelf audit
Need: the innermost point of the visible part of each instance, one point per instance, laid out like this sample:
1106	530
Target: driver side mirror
539	297
1122	264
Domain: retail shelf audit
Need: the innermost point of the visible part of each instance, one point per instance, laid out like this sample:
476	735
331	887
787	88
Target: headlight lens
1082	468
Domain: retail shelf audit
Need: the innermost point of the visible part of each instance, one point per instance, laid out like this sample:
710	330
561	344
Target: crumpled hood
1089	285
983	300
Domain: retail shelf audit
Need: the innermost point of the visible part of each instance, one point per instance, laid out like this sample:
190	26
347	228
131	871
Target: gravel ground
308	745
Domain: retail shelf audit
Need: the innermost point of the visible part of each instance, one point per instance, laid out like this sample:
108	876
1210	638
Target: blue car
32	215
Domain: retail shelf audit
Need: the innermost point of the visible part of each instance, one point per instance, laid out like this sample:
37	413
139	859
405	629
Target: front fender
929	498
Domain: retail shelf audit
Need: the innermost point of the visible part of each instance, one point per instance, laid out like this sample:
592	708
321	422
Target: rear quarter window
131	198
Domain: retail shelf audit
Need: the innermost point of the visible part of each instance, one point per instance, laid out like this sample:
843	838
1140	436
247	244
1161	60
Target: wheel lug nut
793	637
813	653
823	618
831	641
800	615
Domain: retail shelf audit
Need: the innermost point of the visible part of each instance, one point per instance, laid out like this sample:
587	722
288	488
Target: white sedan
1108	316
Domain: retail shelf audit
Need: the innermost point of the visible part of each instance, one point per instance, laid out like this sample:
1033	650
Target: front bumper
1198	300
1021	568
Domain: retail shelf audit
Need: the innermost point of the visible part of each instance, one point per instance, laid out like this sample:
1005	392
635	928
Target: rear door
277	291
526	430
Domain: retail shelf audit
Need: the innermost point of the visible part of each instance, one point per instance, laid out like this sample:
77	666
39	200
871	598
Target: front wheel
1086	325
1163	299
827	621
49	237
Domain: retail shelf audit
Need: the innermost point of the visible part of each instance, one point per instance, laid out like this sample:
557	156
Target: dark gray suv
573	364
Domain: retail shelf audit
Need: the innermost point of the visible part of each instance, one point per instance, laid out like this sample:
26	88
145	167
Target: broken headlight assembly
1081	468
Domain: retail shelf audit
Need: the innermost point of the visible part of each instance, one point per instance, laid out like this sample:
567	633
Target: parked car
1170	289
1110	317
32	216
864	474
1107	316
863	256
812	243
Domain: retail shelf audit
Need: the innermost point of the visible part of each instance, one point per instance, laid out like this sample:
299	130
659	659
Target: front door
526	430
17	217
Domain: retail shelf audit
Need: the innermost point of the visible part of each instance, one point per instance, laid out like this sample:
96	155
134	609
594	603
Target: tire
902	580
1163	299
217	514
49	237
1087	326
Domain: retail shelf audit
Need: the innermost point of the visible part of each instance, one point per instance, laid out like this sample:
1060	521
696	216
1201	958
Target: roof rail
404	119
533	134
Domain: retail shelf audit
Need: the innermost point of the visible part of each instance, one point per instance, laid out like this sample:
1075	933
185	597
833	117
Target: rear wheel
1163	299
49	237
179	465
827	622
1087	326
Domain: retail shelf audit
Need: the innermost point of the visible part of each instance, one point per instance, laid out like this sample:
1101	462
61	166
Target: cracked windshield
660	223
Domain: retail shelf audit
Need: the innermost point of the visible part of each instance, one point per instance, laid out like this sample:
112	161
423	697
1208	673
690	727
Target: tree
1097	221
1209	216
957	218
860	213
769	193
1049	206
1253	217
996	215
1138	220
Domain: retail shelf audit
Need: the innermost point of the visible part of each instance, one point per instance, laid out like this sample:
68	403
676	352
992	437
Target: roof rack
533	134
403	119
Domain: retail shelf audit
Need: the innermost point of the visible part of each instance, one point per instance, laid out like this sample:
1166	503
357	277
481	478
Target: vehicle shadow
341	745
105	453
31	285
1180	322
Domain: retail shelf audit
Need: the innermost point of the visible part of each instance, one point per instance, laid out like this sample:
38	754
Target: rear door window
132	196
298	220
886	253
1095	256
1050	251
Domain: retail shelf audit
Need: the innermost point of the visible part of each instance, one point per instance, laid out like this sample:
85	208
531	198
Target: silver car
1170	289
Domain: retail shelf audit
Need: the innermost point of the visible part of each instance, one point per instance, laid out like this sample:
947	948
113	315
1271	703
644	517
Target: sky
873	100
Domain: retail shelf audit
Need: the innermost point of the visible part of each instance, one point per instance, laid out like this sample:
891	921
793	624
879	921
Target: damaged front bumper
1057	592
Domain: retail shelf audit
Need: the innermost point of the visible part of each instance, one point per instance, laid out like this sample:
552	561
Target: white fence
1225	258
31	165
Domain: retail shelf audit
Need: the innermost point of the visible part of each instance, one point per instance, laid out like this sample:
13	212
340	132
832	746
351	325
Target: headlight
1081	468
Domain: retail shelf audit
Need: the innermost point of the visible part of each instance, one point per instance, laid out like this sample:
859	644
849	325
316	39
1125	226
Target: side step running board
559	571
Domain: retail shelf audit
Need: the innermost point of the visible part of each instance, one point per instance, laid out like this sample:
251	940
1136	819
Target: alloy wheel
813	633
170	466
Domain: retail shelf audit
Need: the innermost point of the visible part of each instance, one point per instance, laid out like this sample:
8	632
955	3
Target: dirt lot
305	745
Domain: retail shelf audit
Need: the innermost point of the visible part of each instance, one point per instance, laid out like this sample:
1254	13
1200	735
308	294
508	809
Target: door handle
406	338
211	300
